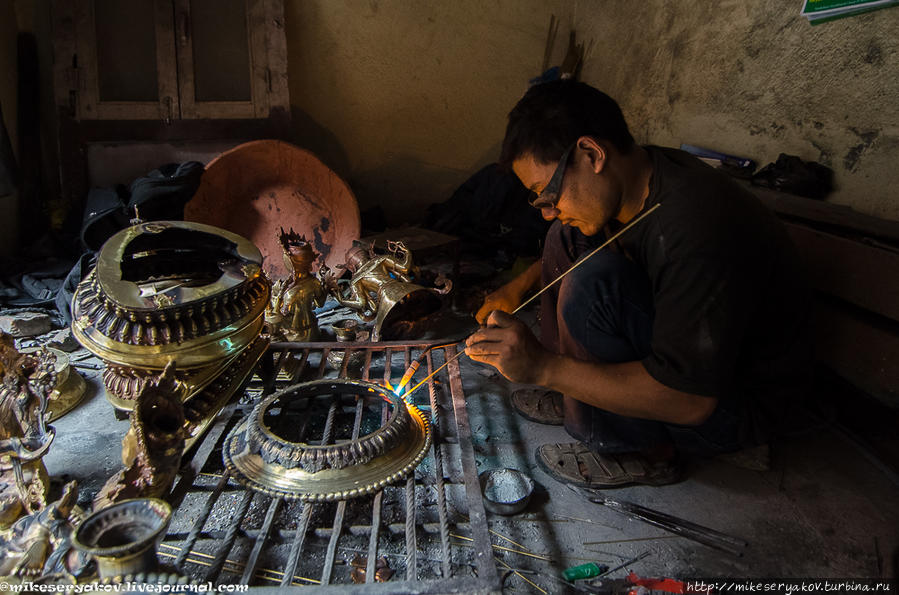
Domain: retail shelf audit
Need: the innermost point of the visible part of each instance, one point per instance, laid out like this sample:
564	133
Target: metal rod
296	548
253	561
411	540
698	533
331	552
201	521
486	569
301	367
438	473
636	558
222	553
370	561
584	259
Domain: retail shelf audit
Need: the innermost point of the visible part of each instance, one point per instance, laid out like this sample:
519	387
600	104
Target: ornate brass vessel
123	537
171	290
260	456
174	291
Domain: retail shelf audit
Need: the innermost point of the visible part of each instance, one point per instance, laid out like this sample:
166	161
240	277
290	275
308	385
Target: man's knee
605	306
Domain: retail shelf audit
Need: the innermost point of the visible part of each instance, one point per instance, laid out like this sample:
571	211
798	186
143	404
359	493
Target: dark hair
551	116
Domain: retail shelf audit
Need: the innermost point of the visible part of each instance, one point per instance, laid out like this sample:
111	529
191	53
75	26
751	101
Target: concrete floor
823	510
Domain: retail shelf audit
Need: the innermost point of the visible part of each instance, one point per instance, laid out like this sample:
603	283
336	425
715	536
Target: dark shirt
731	304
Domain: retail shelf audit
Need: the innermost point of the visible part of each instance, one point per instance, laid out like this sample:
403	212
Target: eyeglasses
553	190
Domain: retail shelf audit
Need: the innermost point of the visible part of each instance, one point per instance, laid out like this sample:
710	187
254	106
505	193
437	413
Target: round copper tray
262	460
259	187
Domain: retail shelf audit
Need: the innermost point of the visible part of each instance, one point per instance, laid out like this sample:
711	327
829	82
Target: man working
676	338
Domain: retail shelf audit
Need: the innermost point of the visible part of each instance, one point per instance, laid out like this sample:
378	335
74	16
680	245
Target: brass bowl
261	459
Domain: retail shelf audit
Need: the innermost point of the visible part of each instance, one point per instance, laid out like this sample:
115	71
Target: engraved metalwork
174	291
152	447
123	537
382	290
69	389
213	279
290	315
25	437
259	458
40	544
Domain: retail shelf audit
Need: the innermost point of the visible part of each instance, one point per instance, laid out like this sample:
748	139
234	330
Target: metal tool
410	372
709	537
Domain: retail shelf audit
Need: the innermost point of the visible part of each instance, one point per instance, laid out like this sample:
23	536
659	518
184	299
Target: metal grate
431	529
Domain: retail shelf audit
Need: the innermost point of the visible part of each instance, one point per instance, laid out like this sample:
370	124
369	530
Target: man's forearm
625	389
529	280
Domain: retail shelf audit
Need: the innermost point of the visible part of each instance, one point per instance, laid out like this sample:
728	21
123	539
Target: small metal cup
506	491
123	537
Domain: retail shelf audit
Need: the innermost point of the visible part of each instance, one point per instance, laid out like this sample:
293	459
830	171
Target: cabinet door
222	61
127	68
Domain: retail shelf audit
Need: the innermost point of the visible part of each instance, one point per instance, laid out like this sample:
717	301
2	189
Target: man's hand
504	299
509	346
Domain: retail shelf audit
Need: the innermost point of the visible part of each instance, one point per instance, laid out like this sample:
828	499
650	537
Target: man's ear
594	151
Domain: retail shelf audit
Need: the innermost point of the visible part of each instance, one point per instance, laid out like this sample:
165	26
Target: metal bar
411	542
296	548
201	455
222	553
287	535
370	561
201	521
477	516
323	364
315	345
698	533
332	544
301	367
253	561
438	472
270	382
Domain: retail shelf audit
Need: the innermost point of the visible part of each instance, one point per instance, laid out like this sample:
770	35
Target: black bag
791	174
160	195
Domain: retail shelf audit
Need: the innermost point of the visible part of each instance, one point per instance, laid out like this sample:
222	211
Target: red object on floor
668	585
259	187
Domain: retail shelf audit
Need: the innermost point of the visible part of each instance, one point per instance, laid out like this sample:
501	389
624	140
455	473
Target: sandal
539	405
573	463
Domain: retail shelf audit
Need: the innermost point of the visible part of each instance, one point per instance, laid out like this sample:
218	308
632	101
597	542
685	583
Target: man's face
587	200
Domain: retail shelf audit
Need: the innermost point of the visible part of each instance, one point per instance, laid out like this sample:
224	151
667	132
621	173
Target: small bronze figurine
290	315
382	290
26	381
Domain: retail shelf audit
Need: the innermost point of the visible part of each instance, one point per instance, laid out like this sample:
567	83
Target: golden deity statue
290	315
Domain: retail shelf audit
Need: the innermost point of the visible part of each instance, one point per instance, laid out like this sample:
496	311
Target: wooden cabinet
170	59
164	73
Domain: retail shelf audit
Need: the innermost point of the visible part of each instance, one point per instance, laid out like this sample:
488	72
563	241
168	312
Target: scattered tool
698	533
588	570
410	372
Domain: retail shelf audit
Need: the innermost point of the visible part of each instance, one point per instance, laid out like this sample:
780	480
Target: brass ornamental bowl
171	290
264	453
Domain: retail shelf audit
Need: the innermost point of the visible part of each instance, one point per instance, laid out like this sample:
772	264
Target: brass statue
381	289
40	544
290	314
152	447
27	381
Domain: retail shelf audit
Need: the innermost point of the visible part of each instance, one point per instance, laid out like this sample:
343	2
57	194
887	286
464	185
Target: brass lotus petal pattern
265	462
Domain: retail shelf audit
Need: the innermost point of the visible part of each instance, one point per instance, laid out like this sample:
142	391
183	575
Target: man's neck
636	172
